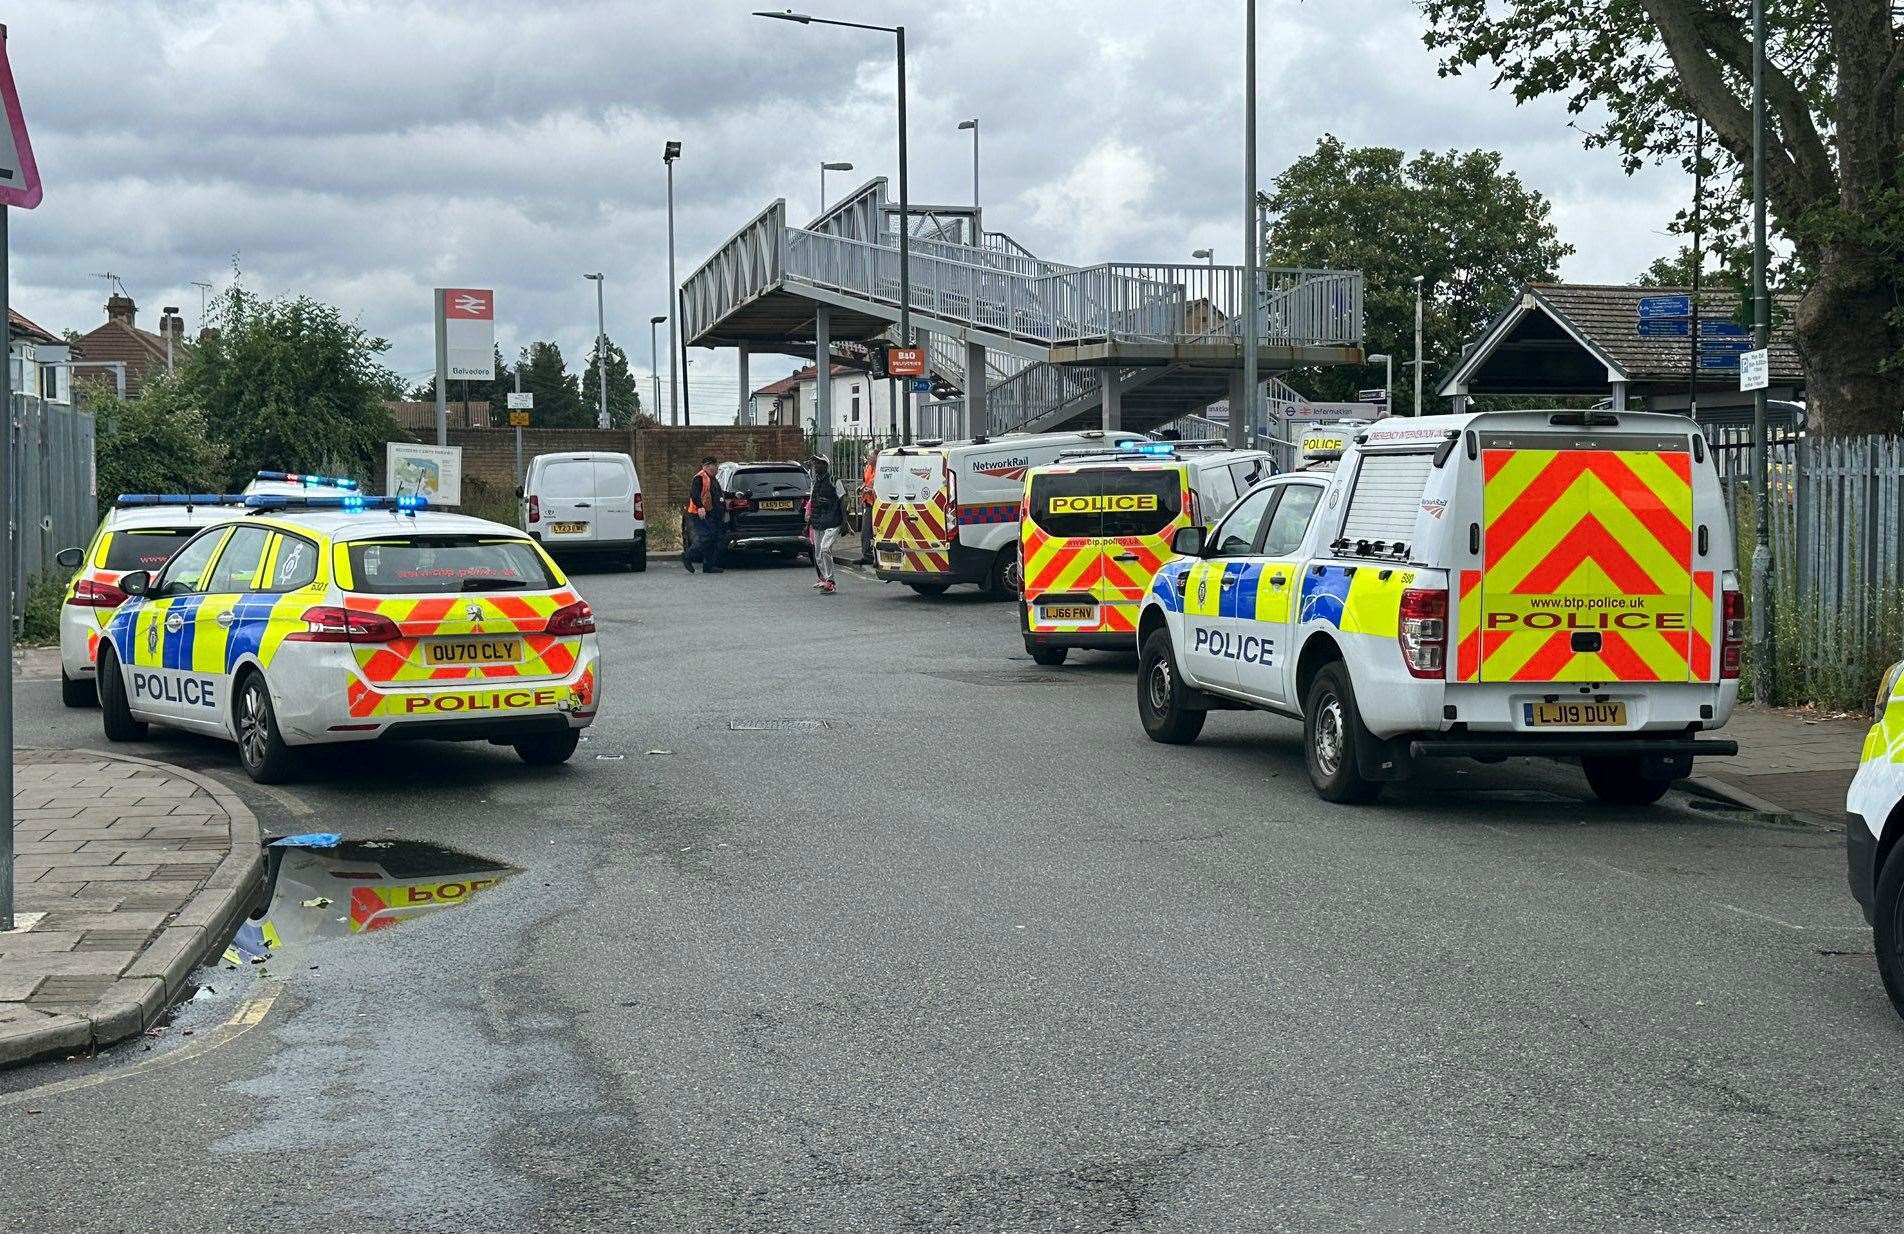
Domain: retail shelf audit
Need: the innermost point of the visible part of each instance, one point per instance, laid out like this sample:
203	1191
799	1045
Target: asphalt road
904	933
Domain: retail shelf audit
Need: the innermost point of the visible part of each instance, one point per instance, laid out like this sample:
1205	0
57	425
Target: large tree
155	443
289	383
1834	159
624	396
1469	228
546	375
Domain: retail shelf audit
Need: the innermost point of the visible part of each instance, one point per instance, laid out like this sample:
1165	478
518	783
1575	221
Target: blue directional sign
1727	360
1722	327
1723	343
1665	306
1665	327
921	385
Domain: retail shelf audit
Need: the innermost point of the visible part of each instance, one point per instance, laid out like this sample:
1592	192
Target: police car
1873	855
1485	585
346	618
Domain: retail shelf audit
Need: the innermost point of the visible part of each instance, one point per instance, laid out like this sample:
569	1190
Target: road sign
521	400
905	361
1665	306
921	385
1723	360
1371	396
519	419
1722	327
1755	369
1665	327
1732	346
19	174
466	320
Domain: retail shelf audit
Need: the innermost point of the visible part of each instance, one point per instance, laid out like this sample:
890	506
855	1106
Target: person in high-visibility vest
702	542
866	506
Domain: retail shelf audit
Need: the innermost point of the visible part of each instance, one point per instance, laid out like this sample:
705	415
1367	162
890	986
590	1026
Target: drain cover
780	724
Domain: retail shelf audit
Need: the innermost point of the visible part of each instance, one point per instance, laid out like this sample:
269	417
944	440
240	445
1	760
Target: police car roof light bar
1149	447
296	477
409	503
179	499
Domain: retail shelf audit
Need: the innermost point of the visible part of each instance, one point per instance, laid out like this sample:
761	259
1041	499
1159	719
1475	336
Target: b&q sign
906	361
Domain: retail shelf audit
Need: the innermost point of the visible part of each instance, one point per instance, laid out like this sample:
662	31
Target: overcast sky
364	151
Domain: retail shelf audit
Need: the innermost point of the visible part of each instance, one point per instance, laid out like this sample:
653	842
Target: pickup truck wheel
1161	695
1331	735
1616	780
1887	935
113	711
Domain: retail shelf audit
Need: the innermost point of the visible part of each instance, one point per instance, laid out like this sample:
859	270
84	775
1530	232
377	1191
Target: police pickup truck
1484	585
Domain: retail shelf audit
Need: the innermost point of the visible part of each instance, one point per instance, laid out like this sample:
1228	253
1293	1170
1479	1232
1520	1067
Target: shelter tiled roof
1607	316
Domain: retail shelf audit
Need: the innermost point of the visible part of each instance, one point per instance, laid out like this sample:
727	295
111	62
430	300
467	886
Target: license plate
1574	715
568	529
453	652
889	559
776	505
1067	614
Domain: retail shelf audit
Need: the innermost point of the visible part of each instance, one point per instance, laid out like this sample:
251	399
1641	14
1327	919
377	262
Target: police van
1482	585
947	512
1874	857
1097	524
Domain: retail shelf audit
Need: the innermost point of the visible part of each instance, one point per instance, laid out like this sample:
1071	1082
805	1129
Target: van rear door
1143	507
564	489
1587	560
614	497
912	512
1059	539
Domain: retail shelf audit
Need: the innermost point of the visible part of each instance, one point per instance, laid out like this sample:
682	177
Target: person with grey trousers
826	514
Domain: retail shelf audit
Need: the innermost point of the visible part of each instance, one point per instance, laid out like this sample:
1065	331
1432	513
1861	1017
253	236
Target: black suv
766	506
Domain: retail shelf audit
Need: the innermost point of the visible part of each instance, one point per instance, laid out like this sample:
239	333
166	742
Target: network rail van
1483	585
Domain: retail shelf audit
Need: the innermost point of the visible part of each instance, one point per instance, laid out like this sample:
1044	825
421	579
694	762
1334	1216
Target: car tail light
535	508
640	515
1423	632
738	502
328	623
1732	633
92	593
576	618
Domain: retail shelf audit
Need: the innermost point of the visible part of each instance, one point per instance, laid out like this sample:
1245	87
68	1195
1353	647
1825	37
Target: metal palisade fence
1837	532
50	485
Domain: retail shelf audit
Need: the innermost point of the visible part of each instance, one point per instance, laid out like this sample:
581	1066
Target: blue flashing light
350	503
179	499
1148	447
412	502
309	481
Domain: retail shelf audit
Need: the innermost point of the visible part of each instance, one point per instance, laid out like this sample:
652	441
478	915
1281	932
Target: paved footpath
127	874
1797	763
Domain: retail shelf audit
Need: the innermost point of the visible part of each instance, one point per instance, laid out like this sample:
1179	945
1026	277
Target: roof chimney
120	308
172	326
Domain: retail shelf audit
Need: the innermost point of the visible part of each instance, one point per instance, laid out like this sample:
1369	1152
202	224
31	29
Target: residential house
37	361
120	340
862	403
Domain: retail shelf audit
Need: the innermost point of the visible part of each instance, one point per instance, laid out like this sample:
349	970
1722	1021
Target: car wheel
638	560
113	711
1161	695
929	589
1007	581
1051	657
1887	935
547	749
78	693
261	748
1331	735
1616	780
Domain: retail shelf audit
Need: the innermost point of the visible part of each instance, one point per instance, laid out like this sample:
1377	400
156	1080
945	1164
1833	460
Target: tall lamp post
973	125
824	168
654	372
601	354
1763	684
1243	419
1206	256
670	152
1418	279
905	199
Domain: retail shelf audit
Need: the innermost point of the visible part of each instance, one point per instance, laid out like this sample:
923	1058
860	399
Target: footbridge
1030	344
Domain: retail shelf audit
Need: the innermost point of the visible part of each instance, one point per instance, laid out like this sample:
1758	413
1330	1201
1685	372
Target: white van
946	512
585	503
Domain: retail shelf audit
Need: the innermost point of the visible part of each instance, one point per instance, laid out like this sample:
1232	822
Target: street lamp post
905	199
973	125
1418	279
1206	256
654	372
824	168
1388	379
1243	419
670	152
601	354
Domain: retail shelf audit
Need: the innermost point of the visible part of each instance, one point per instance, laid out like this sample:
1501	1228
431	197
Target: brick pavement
1802	764
127	874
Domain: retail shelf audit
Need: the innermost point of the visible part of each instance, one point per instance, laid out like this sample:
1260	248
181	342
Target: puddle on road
357	887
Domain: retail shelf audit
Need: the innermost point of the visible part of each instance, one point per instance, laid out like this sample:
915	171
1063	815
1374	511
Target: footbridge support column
1111	398
822	381
978	420
1239	411
744	413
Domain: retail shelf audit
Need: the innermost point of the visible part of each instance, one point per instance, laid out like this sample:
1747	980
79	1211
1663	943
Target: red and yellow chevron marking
1467	660
1584	541
924	524
402	662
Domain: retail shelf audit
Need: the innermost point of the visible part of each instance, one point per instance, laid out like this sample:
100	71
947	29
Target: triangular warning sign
19	174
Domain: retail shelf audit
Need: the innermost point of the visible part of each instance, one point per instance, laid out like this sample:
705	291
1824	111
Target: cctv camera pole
6	627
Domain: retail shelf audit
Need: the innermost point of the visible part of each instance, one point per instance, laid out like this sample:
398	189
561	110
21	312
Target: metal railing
49	478
750	263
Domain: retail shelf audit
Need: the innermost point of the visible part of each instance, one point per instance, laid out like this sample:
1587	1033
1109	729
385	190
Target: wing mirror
135	583
70	557
1188	542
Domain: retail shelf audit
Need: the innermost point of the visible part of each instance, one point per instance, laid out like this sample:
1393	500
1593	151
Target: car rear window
144	548
1074	494
1143	503
567	477
413	564
770	482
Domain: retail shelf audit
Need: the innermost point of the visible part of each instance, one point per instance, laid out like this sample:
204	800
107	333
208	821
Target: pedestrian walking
706	504
826	514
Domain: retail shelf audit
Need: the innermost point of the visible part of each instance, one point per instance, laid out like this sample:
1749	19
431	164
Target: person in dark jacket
706	503
826	514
